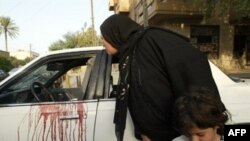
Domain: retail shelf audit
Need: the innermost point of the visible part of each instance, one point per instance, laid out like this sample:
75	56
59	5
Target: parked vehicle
3	74
69	95
13	70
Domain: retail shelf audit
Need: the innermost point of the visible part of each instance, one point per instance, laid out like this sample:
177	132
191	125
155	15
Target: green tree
8	63
5	64
86	39
17	63
58	45
8	28
70	41
240	8
77	39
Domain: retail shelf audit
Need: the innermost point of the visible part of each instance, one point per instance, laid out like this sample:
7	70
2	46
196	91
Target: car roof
63	51
73	50
44	55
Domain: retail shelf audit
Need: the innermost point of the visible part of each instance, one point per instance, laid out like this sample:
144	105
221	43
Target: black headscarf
118	30
122	33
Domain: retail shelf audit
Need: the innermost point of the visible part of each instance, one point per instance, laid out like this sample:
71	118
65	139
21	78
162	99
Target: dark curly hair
200	109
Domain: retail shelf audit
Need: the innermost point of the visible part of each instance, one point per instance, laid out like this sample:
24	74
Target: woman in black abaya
156	67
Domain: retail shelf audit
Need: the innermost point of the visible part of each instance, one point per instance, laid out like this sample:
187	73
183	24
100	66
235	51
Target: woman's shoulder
154	30
181	138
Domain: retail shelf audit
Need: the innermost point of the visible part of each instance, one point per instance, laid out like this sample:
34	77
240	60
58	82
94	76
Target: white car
69	95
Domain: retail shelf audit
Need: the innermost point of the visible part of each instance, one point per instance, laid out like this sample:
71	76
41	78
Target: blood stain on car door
64	122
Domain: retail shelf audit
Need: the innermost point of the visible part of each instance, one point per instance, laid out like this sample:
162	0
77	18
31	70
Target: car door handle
72	117
69	117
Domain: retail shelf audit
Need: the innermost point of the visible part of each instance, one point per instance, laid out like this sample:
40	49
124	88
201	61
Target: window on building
206	39
242	43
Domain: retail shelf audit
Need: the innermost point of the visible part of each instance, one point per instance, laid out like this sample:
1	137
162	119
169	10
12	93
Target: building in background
23	54
224	39
4	53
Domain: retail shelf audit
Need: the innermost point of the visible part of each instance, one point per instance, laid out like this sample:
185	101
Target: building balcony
168	10
111	5
119	6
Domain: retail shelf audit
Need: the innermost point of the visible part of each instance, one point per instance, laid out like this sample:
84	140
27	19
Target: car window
59	79
74	77
40	74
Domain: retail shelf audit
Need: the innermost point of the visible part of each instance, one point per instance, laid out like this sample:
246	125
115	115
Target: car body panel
106	127
105	119
235	95
237	102
48	121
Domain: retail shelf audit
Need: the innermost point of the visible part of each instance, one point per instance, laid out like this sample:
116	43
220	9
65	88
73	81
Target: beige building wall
23	54
226	46
4	54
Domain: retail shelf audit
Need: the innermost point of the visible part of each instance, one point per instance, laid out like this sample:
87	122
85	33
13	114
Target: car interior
58	80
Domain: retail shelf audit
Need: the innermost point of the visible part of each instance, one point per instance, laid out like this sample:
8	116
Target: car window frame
51	58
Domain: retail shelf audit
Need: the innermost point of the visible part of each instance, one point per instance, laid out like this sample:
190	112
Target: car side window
74	81
55	79
72	78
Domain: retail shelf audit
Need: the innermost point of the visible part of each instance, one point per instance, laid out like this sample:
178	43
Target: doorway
242	43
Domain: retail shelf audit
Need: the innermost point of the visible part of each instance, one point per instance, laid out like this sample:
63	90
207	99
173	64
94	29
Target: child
200	116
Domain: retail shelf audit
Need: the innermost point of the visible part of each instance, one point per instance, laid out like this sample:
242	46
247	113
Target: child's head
200	114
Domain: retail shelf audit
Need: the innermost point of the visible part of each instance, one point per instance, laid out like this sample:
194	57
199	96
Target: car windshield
41	74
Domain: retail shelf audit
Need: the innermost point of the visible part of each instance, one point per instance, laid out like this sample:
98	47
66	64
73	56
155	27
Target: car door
25	119
105	93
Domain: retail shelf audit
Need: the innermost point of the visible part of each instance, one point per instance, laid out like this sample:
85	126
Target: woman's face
207	134
109	48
